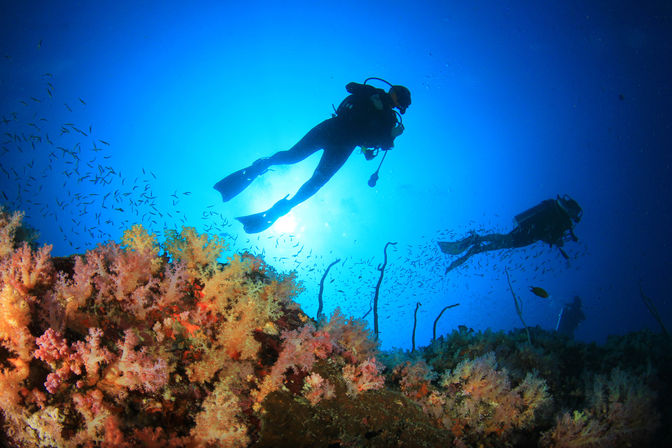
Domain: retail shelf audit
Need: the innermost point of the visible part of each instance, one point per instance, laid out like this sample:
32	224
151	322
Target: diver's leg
484	243
235	183
459	246
495	241
314	140
460	261
332	159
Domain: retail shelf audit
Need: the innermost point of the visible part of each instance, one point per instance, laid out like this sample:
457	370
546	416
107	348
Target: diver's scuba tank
529	213
564	203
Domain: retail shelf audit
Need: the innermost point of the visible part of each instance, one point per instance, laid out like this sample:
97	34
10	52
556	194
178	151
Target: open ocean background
116	113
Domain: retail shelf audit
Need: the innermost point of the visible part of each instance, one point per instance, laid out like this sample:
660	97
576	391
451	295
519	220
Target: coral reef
142	344
556	393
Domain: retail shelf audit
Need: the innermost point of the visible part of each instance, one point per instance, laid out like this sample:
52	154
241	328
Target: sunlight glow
286	224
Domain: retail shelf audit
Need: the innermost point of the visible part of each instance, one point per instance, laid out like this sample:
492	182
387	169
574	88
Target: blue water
513	103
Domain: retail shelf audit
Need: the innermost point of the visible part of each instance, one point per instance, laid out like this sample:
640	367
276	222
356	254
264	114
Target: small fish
539	292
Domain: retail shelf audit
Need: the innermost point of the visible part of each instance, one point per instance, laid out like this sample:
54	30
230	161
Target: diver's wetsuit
548	222
364	118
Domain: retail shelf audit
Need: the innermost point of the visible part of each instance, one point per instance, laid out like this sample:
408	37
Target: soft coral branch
25	269
92	354
9	224
136	369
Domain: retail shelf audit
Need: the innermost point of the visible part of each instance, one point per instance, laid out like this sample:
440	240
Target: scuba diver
552	221
571	315
366	118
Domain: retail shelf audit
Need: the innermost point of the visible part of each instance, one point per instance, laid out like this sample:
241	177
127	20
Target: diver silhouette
571	315
551	221
365	118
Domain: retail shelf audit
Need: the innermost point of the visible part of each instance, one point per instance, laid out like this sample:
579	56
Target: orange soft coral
25	269
20	272
484	401
14	320
11	380
475	400
234	308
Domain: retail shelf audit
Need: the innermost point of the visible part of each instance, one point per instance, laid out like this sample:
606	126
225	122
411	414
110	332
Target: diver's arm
560	243
395	130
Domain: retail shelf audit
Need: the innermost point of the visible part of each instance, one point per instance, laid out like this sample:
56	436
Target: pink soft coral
300	350
91	354
54	350
364	376
352	335
135	369
316	388
52	347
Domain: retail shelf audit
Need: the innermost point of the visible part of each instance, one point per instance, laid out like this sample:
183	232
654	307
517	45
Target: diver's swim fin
233	184
457	247
261	221
451	247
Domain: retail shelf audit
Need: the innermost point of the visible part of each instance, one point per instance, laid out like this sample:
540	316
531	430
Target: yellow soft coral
476	400
138	239
45	426
193	249
8	226
234	307
219	424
